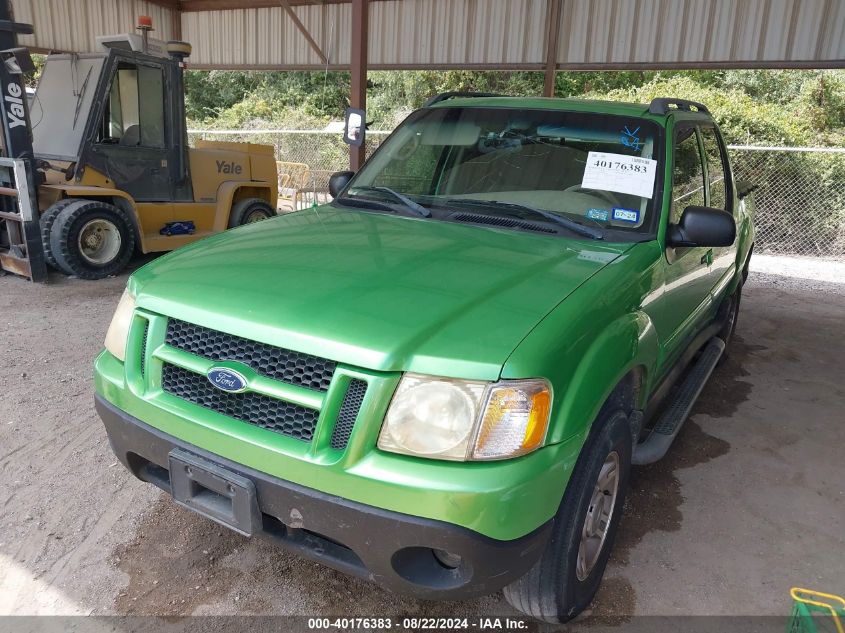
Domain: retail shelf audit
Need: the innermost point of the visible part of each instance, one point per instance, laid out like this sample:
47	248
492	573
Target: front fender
627	345
583	382
592	340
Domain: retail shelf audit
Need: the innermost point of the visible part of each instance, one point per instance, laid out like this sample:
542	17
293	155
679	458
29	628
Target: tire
46	221
559	586
92	239
729	312
747	264
249	211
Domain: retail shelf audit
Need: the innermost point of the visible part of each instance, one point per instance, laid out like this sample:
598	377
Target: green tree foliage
228	98
789	107
756	107
792	107
31	79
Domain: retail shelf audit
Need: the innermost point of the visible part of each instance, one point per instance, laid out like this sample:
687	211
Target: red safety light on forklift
145	25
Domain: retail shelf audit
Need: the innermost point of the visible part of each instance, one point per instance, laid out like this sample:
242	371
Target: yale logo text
14	105
228	167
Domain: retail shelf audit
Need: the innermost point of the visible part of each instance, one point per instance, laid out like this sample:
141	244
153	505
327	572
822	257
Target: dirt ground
749	502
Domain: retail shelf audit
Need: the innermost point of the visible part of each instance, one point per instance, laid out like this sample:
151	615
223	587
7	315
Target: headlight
119	328
432	417
461	419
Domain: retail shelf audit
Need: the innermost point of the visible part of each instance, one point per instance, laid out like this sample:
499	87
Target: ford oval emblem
226	379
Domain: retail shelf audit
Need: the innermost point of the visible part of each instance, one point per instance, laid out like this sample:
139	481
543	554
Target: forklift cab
111	146
128	122
137	136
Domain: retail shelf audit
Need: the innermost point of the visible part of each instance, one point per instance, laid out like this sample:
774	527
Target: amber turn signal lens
538	420
514	420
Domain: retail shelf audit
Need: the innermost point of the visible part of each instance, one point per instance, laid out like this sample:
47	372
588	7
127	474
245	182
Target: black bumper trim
390	548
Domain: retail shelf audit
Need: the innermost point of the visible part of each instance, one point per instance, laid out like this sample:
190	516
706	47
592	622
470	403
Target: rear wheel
565	579
249	211
92	239
729	314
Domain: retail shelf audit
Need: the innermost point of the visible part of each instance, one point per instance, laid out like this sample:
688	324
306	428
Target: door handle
707	258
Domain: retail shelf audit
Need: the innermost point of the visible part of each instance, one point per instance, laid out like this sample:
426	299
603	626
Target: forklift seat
132	135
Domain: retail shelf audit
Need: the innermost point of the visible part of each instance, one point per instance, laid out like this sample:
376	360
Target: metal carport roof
545	35
498	34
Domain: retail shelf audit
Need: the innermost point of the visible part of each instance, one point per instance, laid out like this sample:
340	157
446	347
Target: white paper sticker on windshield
623	174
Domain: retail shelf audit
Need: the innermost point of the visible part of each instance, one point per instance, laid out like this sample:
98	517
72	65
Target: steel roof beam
286	5
552	37
358	80
228	5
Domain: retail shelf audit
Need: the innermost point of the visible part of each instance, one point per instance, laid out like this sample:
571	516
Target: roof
571	105
464	34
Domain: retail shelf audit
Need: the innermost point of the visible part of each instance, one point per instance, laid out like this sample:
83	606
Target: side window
134	114
151	106
687	174
715	169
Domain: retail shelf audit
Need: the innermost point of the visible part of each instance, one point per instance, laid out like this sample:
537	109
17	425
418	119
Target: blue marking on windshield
630	139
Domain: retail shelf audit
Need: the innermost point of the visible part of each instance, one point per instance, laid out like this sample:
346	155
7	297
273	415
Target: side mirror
702	226
338	182
354	128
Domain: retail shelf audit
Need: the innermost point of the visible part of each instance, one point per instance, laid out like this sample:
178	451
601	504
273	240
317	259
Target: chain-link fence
800	199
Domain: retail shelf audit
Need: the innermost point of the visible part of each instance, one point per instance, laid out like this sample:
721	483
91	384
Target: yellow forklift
101	160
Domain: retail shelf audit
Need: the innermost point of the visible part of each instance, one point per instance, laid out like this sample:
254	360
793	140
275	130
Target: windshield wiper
410	205
79	97
572	225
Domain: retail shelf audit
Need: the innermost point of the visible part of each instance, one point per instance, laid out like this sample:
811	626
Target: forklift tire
46	221
92	240
249	211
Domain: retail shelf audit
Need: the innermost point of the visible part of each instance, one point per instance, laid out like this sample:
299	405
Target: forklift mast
21	250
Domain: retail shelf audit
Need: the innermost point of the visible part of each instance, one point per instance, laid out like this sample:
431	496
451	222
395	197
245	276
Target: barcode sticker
620	173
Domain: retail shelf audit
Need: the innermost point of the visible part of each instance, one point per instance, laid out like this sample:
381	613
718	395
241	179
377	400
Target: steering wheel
598	193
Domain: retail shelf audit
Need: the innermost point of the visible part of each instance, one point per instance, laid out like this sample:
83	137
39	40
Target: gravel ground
749	502
799	273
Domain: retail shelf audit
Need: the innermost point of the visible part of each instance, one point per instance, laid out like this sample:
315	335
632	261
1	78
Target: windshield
62	101
594	169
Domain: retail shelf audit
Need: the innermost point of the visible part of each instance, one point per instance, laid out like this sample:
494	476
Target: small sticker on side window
631	216
598	214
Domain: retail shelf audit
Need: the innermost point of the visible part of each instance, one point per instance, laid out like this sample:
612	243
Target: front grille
273	362
348	413
253	408
144	348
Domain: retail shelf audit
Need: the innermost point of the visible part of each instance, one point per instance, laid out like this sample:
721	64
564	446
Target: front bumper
390	548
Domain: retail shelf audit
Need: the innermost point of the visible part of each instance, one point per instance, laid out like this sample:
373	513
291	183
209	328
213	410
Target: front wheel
46	221
565	579
91	239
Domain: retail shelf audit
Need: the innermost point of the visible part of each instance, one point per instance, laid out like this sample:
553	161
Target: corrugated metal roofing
256	37
683	32
477	33
73	25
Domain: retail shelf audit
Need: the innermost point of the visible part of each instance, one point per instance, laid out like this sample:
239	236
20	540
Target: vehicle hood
373	290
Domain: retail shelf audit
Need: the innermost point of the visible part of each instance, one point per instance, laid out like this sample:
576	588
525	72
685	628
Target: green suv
440	380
